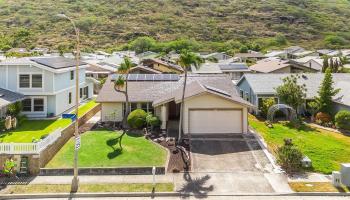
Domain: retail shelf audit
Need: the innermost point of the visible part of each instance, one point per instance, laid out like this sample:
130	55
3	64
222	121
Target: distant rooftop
233	66
56	62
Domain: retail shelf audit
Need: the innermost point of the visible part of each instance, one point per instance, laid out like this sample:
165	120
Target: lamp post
75	181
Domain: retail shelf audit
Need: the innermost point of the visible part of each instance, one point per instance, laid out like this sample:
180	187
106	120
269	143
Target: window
86	92
144	106
38	105
71	75
241	93
37	81
70	98
133	106
247	96
150	108
27	105
24	81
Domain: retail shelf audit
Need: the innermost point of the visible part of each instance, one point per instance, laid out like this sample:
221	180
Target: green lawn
88	188
35	129
326	149
100	149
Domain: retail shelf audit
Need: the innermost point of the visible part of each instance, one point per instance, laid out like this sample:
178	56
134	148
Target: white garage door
215	121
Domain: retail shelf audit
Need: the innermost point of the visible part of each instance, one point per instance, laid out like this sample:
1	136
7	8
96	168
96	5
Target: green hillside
111	23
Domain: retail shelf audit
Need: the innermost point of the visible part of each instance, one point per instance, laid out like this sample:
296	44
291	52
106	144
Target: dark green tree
325	64
326	93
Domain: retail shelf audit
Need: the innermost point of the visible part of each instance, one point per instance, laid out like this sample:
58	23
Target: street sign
73	117
77	142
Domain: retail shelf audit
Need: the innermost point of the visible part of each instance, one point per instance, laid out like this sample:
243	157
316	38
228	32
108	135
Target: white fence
29	148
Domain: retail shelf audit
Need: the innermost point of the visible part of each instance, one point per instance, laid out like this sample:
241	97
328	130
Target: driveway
231	165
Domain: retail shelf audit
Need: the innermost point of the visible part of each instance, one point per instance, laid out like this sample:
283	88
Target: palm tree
121	85
186	60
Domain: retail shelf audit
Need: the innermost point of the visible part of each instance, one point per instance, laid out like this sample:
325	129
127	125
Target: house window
70	98
144	106
241	93
38	105
24	81
247	96
71	75
86	92
150	108
133	106
37	81
27	105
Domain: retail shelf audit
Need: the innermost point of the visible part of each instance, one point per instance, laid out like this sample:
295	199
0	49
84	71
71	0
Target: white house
48	84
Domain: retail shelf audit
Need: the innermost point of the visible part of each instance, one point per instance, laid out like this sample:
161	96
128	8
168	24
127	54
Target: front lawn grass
316	187
35	129
100	148
327	150
89	188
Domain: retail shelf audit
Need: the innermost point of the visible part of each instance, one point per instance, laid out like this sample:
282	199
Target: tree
289	157
326	93
121	85
243	49
325	64
336	66
186	59
14	109
142	44
291	93
331	64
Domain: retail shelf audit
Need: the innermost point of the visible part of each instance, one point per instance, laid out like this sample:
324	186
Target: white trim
7	76
58	71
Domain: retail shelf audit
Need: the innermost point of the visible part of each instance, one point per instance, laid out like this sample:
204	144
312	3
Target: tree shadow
132	134
302	127
195	186
112	143
114	154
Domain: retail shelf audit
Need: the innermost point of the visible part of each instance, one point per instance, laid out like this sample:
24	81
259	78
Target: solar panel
217	90
56	62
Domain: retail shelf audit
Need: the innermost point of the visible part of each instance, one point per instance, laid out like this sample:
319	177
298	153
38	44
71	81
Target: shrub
2	125
152	120
14	109
266	104
323	117
289	157
342	120
137	118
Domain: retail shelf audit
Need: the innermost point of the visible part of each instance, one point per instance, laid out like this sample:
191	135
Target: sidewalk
310	177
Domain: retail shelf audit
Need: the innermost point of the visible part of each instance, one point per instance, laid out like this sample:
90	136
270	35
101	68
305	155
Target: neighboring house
256	87
18	50
216	56
99	70
292	50
314	62
234	70
324	52
279	54
243	57
8	97
162	66
140	69
212	103
40	50
302	54
48	84
276	65
147	54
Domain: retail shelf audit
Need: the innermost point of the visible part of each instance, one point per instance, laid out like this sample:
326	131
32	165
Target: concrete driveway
230	165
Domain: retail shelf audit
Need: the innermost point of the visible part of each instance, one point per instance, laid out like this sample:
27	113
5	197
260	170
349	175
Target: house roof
207	68
303	53
274	53
146	69
293	49
266	83
250	55
165	63
233	67
7	97
269	65
164	91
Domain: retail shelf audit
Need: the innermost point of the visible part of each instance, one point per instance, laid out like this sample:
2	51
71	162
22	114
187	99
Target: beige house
212	104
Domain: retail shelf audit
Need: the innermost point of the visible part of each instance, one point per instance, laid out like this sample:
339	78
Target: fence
29	148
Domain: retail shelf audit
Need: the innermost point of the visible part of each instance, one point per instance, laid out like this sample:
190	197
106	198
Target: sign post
77	142
154	177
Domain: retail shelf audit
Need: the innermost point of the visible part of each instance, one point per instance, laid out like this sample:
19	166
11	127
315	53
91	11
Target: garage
215	121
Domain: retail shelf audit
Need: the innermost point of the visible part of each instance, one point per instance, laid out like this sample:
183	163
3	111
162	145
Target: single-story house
8	97
98	71
255	56
212	103
140	69
255	87
293	49
301	54
314	62
279	54
162	65
276	65
218	56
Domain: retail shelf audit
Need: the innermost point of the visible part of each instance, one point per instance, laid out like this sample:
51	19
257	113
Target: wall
111	112
62	81
338	107
164	68
211	101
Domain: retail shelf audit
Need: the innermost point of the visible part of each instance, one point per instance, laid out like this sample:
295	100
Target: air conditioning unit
336	179
345	174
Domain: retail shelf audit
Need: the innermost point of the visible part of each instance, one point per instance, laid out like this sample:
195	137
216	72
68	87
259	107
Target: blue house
47	83
256	87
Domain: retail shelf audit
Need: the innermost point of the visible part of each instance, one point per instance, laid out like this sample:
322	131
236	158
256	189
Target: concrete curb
158	194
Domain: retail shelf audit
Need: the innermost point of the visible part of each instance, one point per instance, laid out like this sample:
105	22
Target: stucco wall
111	112
211	101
